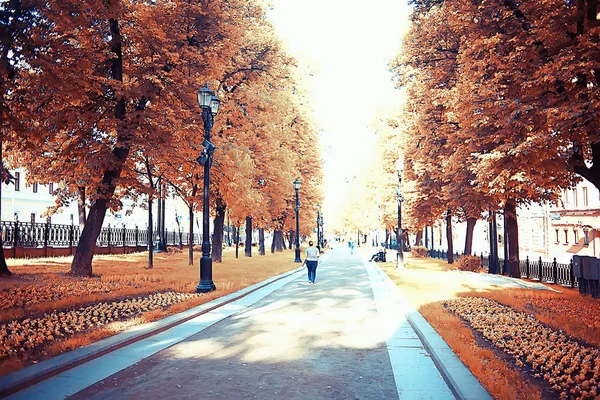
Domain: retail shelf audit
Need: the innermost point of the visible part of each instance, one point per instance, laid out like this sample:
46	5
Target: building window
33	218
576	236
17	181
35	187
557	236
566	236
51	188
566	196
585	197
575	202
586	237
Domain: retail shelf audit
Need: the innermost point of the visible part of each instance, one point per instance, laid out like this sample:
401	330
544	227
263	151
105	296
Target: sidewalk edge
459	378
21	379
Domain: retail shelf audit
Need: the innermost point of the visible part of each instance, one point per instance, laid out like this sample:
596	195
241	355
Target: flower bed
26	334
28	295
569	367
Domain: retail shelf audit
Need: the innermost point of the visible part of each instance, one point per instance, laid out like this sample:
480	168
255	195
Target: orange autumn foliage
103	102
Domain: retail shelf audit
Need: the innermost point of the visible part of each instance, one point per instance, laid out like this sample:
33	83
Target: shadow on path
302	341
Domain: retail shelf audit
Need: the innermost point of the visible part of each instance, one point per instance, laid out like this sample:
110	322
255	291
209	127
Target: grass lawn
519	343
44	311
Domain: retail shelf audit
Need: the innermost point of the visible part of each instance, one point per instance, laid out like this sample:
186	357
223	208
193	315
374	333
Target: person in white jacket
312	261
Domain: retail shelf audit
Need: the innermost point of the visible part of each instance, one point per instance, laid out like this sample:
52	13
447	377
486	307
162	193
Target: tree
502	86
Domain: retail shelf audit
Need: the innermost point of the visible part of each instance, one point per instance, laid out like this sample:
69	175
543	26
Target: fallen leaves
569	367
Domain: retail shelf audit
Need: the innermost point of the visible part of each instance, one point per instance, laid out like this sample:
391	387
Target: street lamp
209	104
319	227
296	188
399	246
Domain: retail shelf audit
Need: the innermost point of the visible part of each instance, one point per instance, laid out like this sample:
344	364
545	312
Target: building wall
27	204
576	216
545	230
533	231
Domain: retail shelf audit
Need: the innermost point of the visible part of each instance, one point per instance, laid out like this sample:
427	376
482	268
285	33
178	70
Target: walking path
352	335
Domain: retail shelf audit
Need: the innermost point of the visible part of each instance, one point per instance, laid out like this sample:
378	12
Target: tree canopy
102	96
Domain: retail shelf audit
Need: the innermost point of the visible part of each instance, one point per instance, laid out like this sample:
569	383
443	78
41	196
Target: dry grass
427	282
117	277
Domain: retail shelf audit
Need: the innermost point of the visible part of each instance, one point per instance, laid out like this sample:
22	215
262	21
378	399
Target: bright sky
346	45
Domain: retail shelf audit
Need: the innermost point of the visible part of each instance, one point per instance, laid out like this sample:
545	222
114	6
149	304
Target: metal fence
536	270
45	235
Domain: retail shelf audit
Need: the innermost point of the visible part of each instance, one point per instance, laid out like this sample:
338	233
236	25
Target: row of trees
100	96
500	109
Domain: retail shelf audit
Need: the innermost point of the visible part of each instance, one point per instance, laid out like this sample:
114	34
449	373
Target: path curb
21	379
461	381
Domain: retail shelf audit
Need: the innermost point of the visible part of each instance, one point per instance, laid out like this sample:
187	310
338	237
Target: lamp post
209	104
322	240
296	188
319	227
399	245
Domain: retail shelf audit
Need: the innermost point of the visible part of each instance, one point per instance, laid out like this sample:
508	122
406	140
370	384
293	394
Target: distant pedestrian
312	261
351	244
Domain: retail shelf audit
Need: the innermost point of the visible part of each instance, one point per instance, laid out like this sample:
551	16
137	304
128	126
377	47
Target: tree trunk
493	269
159	246
82	261
3	266
261	241
81	205
449	237
191	238
419	238
162	243
162	217
505	268
150	235
236	233
426	237
219	222
248	247
469	236
283	241
592	13
512	240
432	241
273	242
277	245
292	239
228	231
9	73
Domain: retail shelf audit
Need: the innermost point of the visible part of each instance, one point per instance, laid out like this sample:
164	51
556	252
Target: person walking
312	261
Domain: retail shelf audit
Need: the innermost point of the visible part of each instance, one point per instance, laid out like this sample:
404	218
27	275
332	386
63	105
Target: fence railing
536	270
44	235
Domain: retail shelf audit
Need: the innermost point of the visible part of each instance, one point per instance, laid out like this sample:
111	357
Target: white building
29	201
545	230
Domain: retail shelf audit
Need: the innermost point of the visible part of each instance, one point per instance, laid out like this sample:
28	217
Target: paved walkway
349	336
